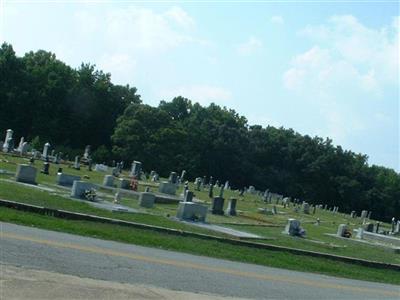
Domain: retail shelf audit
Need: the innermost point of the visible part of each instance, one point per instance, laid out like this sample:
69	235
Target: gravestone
147	200
342	230
353	214
369	227
226	186
80	187
231	210
7	147
125	184
26	174
191	211
66	179
188	196
167	188
136	169
108	180
86	155
183	175
45	153
274	211
77	165
293	228
46	167
198	184
397	229
369	215
221	191
360	233
210	191
21	142
364	214
173	178
217	206
251	190
100	168
306	208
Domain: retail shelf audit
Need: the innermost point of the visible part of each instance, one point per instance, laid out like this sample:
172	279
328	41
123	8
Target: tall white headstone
6	146
46	150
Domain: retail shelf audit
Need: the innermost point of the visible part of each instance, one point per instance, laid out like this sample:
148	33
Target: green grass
191	245
316	240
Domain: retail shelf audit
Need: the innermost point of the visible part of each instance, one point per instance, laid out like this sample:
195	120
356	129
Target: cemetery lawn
268	226
196	246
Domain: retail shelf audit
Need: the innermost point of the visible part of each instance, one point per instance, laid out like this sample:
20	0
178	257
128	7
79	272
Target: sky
322	68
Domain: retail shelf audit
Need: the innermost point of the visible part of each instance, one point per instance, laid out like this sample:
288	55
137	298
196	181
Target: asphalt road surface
111	262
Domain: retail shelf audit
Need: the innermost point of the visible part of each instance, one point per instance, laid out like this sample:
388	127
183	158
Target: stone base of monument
79	188
66	179
167	188
147	200
26	174
192	211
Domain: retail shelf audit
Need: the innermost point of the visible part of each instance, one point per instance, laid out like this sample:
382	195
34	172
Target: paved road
117	262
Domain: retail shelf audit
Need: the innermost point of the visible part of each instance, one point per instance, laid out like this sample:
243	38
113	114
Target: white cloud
277	20
204	94
180	16
347	75
251	46
120	65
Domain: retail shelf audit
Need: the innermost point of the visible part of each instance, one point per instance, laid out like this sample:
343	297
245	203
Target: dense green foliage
41	96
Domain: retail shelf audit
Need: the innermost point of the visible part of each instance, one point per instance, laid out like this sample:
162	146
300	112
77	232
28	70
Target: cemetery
203	205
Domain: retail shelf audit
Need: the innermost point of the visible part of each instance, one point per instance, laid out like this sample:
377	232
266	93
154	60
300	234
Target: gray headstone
79	188
217	206
231	210
66	179
167	188
191	211
136	169
108	180
26	174
147	200
188	196
173	178
341	230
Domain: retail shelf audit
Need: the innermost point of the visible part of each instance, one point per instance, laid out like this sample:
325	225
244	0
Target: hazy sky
326	69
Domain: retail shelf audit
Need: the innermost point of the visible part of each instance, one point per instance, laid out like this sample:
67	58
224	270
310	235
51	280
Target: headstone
364	214
353	214
46	167
26	174
360	233
66	179
217	206
293	228
191	211
231	210
188	196
147	200
251	190
397	229
125	184
173	178
369	227
306	208
100	168
21	142
80	187
369	215
314	209
210	191
167	188
274	211
198	184
221	191
77	165
86	155
226	186
108	180
183	175
45	153
136	169
7	147
342	230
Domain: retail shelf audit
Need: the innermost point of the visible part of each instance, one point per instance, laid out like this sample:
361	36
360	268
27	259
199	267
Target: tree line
43	99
